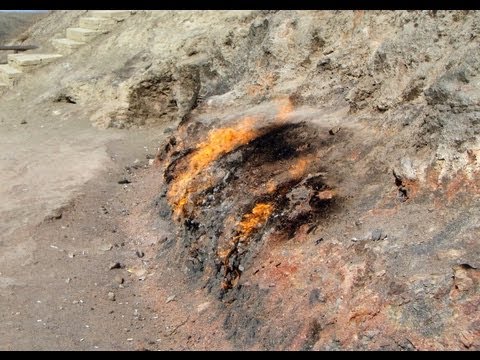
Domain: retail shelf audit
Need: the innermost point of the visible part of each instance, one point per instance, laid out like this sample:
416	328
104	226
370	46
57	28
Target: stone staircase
96	23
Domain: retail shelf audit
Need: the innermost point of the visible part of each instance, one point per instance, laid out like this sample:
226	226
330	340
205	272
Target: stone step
25	62
80	34
9	75
97	23
3	85
66	46
118	15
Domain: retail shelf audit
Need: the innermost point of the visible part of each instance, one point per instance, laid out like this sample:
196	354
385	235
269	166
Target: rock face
366	134
266	223
323	175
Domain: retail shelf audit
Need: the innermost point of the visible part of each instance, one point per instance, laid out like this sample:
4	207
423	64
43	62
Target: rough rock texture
358	177
322	179
11	25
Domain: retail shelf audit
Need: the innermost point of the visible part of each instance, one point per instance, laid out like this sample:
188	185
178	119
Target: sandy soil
61	208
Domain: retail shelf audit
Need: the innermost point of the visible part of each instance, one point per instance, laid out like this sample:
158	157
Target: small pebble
111	296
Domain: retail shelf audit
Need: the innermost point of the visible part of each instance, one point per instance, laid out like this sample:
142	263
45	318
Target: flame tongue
250	223
219	142
255	219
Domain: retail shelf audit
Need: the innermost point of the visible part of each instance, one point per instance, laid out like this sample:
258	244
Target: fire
255	219
250	222
219	142
183	201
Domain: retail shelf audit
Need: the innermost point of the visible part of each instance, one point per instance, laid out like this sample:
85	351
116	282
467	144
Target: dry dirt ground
72	236
54	266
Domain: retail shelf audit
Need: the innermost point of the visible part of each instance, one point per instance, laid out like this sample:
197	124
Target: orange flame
255	219
250	222
219	142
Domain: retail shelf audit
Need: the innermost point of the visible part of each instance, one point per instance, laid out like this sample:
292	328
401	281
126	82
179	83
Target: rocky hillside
321	180
12	24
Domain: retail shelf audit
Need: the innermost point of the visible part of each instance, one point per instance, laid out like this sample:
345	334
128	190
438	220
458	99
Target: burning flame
254	220
250	222
219	142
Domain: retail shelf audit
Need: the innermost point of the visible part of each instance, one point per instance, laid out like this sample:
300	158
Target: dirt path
54	273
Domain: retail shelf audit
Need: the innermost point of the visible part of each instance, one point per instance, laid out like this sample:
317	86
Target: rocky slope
12	24
351	230
320	181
